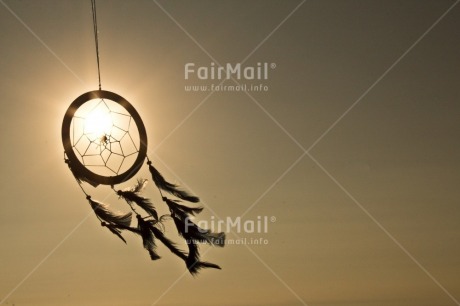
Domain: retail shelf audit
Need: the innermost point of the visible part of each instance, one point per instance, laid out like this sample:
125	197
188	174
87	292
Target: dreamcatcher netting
105	143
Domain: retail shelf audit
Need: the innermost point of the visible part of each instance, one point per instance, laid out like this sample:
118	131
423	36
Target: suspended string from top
96	39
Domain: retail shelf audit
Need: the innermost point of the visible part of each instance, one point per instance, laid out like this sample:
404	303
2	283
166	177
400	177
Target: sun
98	124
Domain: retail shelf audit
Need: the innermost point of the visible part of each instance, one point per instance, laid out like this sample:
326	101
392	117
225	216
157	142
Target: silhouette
105	142
92	159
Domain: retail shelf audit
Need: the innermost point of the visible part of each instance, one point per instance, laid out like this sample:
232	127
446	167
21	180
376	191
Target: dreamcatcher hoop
82	171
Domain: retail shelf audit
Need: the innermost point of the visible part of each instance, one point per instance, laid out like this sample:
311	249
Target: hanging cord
96	39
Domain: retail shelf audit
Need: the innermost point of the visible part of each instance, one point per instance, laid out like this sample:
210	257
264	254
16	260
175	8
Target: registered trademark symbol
273	219
273	66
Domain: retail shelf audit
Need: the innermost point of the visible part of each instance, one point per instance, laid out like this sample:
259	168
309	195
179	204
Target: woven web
104	137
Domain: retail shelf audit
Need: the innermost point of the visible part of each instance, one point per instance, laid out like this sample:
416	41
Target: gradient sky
354	149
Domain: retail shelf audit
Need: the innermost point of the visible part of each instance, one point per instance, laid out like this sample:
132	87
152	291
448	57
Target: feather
148	240
180	226
134	230
193	257
105	214
205	264
79	177
75	174
216	239
193	260
168	187
175	205
189	230
140	186
142	202
168	243
164	218
114	230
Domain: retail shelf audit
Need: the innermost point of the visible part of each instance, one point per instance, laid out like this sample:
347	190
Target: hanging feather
141	183
114	230
175	206
193	260
142	202
128	228
77	177
168	243
148	240
168	187
105	214
80	178
216	239
190	231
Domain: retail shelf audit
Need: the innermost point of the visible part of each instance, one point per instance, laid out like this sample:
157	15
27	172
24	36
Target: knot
88	197
138	217
103	223
119	192
164	198
149	162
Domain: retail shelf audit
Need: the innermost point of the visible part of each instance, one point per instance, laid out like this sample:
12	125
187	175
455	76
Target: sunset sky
350	150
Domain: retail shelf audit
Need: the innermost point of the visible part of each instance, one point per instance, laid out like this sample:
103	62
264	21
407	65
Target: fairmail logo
228	71
258	225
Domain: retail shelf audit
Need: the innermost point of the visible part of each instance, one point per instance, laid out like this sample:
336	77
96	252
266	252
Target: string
96	39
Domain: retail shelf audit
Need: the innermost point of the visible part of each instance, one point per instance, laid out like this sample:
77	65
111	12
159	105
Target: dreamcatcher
105	143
